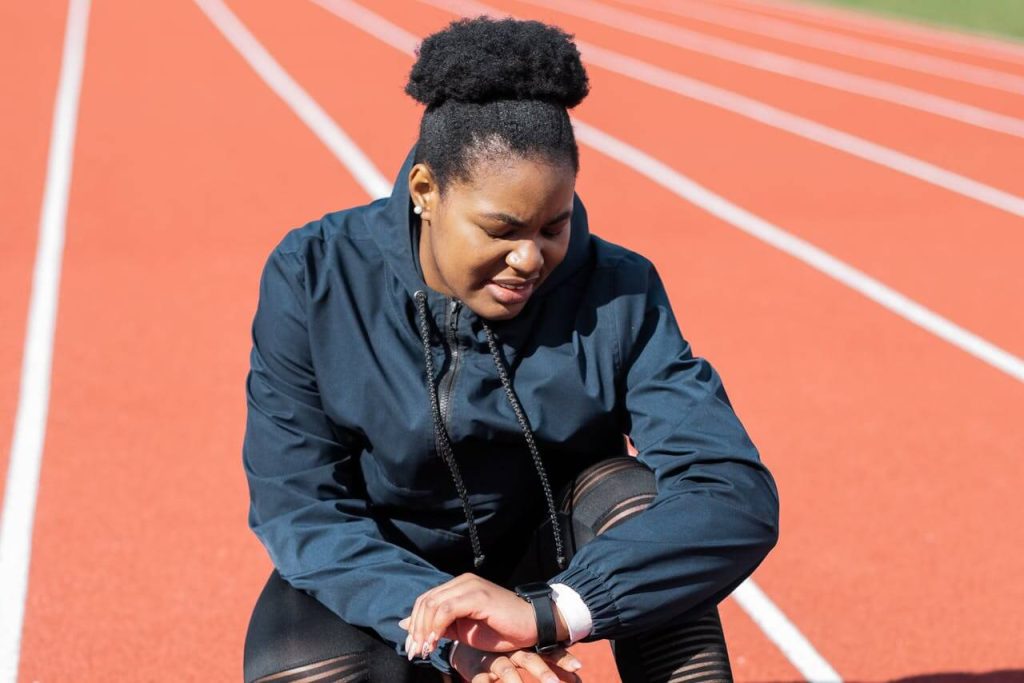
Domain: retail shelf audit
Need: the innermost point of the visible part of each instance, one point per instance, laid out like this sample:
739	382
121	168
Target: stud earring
417	209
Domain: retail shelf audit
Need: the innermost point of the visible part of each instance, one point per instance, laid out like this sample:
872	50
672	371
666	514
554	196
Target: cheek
470	260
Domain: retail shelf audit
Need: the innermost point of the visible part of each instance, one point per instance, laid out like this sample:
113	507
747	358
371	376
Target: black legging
292	637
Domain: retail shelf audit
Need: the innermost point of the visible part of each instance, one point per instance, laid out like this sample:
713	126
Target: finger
441	609
421	636
564	659
417	635
506	670
472	602
422	615
537	665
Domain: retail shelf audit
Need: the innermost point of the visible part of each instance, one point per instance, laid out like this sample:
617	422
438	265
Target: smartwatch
538	594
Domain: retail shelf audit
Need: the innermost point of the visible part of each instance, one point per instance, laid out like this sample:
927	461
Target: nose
526	257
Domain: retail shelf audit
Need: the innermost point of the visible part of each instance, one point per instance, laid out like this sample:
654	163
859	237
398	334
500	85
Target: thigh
293	637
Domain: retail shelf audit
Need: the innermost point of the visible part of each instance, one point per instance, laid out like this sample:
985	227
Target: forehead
523	187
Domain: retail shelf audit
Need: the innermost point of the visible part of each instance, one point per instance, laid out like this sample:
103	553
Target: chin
489	309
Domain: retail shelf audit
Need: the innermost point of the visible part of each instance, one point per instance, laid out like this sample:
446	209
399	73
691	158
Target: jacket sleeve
304	481
715	515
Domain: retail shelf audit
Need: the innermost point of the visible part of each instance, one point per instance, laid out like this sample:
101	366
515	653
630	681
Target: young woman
440	386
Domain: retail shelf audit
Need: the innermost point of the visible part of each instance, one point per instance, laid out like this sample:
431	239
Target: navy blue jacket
349	495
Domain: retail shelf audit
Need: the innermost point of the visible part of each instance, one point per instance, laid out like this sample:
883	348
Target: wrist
561	627
552	627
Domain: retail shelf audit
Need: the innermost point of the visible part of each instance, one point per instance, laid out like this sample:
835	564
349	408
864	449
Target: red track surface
898	456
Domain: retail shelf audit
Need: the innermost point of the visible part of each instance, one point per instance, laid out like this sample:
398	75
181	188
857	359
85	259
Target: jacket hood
397	233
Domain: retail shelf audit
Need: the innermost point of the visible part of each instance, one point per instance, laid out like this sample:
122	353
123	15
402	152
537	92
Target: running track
866	318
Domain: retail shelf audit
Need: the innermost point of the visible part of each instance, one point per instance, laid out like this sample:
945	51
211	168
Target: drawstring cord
524	425
444	446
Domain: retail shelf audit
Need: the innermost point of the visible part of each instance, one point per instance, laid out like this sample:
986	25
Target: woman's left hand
471	610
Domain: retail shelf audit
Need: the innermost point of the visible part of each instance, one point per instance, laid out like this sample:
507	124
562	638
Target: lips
510	291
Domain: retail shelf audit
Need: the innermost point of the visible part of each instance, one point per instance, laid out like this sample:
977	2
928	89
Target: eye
556	231
496	235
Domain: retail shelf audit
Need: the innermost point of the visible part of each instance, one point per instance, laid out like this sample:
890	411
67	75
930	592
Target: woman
440	384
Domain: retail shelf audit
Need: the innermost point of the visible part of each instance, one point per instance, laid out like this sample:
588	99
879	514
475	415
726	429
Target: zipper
452	340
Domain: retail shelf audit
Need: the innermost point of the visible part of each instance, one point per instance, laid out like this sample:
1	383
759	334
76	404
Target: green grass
1000	17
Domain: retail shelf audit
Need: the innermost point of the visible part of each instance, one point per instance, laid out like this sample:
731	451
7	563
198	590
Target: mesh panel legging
292	637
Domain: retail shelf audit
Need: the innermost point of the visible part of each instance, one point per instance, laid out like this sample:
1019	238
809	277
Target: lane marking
781	631
800	249
18	516
799	650
830	41
902	28
768	616
773	117
295	96
790	67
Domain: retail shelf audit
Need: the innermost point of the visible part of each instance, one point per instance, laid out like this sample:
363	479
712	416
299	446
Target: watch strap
538	594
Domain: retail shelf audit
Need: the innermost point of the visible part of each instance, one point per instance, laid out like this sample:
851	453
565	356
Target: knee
608	493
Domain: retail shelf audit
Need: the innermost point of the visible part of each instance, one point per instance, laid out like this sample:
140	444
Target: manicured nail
430	643
574	664
549	678
408	647
415	649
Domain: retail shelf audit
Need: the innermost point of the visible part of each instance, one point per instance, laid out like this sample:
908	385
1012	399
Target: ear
423	189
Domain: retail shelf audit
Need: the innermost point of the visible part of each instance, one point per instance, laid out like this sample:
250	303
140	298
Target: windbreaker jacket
349	495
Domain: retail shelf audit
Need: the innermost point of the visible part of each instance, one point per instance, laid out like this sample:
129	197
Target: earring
417	209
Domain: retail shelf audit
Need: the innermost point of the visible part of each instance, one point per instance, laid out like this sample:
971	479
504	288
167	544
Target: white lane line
300	102
797	648
831	41
787	66
716	205
776	118
29	437
802	250
974	44
781	631
794	646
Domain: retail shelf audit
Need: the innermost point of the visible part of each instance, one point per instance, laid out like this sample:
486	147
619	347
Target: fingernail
415	649
408	647
430	643
549	678
575	664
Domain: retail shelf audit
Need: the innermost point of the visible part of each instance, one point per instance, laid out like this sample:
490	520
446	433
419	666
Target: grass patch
1000	17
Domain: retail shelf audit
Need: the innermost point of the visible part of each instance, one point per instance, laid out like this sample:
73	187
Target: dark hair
495	86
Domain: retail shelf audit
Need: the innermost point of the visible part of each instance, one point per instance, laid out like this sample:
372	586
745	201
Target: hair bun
484	59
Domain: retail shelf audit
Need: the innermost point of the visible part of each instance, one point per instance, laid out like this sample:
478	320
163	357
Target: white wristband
575	612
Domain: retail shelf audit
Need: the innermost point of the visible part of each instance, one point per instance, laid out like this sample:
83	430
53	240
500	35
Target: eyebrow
512	220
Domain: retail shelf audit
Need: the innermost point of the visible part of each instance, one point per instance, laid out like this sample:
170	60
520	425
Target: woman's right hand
481	666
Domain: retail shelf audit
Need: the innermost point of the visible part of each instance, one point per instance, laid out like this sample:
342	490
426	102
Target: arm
304	479
715	516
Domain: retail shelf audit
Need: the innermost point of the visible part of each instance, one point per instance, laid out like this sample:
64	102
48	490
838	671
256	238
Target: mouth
510	293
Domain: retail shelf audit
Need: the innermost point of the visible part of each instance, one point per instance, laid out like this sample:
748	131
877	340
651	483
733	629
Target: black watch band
538	594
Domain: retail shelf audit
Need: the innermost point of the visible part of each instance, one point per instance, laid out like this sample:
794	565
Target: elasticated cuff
594	592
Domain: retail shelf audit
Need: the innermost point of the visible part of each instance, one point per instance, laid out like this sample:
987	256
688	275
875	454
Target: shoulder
627	273
317	247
